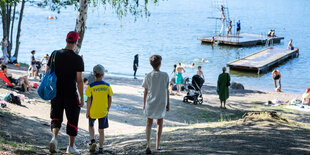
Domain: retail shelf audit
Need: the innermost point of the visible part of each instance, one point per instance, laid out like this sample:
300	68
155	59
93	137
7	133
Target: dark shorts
71	106
238	29
103	122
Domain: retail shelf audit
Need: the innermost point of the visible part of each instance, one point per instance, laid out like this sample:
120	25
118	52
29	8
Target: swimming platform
243	39
263	60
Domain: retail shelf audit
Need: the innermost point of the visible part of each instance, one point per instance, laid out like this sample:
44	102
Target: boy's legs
91	129
103	124
101	137
159	131
149	123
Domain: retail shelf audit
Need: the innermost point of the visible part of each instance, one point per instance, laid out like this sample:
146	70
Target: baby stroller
194	90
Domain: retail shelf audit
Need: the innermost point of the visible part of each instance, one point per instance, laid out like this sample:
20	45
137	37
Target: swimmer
276	75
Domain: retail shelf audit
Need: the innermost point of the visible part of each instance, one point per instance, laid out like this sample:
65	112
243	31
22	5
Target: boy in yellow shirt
99	100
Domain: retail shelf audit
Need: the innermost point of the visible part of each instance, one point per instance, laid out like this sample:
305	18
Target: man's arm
168	101
145	94
80	85
47	68
109	102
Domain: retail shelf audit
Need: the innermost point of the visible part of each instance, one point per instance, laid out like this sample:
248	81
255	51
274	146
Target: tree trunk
8	23
19	29
81	23
12	27
4	21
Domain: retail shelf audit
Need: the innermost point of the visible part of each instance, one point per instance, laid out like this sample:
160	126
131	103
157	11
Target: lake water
172	32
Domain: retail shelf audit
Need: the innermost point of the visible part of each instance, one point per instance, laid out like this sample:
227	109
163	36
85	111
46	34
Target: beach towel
5	79
222	87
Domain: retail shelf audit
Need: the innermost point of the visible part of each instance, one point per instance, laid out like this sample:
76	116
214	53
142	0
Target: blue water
172	32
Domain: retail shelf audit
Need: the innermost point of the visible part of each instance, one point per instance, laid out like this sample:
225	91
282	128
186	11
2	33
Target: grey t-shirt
156	83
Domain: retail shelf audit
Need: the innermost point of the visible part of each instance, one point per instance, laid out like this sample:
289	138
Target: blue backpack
47	89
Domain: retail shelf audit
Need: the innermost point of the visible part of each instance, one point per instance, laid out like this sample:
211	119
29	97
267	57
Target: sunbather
19	81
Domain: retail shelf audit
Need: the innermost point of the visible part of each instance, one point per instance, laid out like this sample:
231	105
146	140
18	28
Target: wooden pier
243	39
263	60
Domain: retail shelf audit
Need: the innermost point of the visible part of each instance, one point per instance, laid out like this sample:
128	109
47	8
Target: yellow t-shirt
98	91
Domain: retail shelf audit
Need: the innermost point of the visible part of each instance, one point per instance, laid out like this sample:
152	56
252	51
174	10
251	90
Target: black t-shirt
67	64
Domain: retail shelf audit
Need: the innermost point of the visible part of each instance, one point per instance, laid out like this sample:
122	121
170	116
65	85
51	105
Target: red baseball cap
72	36
308	89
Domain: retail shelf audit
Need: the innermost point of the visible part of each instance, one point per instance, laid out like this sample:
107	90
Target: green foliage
136	8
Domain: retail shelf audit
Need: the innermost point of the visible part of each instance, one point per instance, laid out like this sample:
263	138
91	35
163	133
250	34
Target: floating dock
263	60
243	39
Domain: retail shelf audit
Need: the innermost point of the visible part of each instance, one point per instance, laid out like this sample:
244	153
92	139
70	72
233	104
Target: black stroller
194	90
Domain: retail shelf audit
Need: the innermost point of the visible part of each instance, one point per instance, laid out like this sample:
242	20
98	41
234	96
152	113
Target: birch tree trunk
19	28
12	27
81	23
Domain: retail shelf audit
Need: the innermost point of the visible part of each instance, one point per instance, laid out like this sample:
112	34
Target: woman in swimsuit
179	77
276	75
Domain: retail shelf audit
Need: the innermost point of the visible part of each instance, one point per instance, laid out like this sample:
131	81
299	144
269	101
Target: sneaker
92	146
73	150
100	151
53	145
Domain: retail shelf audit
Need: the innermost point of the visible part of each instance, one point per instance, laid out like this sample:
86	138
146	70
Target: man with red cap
68	69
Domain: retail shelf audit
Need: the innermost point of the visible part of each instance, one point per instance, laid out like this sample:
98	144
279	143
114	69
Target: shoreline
206	84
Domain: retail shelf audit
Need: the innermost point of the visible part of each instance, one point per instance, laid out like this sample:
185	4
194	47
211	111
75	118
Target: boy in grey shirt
156	99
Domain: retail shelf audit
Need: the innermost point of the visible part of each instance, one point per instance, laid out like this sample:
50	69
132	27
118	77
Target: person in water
290	45
276	75
135	65
179	77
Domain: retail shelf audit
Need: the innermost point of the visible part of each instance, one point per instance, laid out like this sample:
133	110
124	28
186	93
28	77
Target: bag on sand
47	89
10	97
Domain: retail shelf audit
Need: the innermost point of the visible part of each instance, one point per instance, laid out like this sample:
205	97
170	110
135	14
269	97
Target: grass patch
20	148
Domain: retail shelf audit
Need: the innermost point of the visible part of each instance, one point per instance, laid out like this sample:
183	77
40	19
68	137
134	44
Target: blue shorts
103	122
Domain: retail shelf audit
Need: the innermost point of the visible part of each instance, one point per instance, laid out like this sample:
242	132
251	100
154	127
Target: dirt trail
188	129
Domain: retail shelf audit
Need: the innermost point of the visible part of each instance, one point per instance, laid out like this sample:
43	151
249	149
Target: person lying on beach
276	75
19	81
290	45
276	101
306	97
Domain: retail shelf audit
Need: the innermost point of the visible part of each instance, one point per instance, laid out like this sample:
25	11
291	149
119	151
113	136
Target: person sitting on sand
306	96
179	77
276	75
290	45
200	73
19	81
156	100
